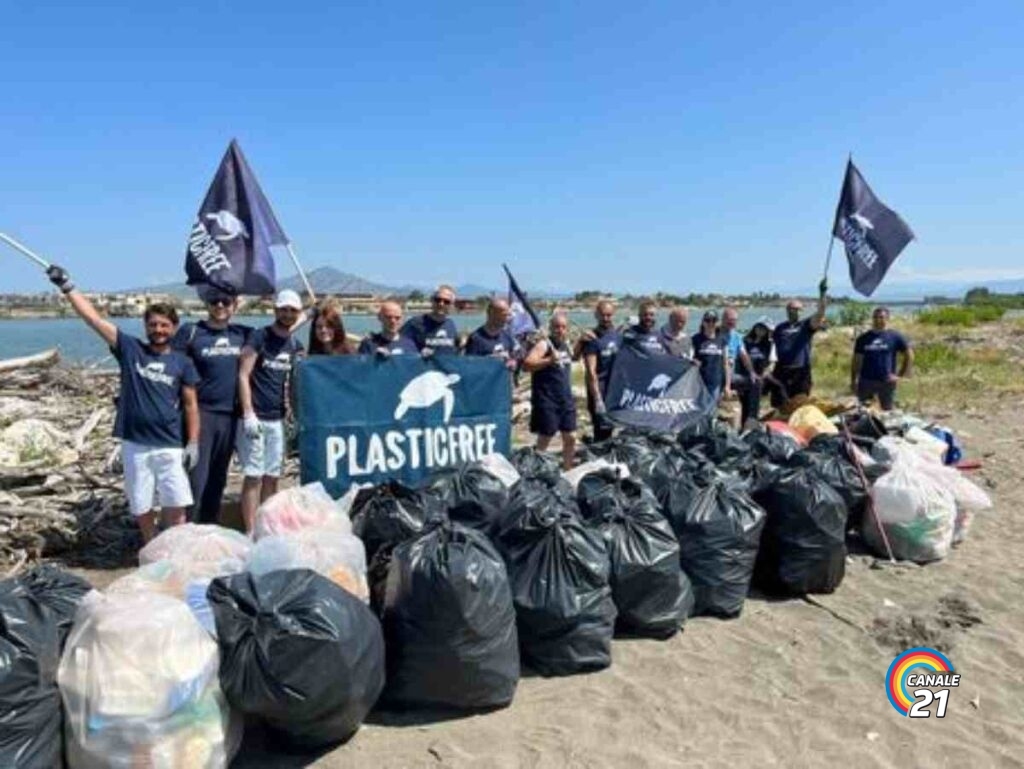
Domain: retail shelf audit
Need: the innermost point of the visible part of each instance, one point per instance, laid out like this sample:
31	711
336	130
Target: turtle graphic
231	226
659	383
426	390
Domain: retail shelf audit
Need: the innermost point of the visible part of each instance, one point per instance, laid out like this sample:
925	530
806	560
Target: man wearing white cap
266	363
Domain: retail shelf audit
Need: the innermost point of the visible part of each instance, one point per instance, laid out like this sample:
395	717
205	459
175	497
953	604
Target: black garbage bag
829	462
559	570
719	531
652	595
471	495
384	515
695	433
803	548
762	475
538	465
297	652
865	427
37	610
629	448
449	624
772	446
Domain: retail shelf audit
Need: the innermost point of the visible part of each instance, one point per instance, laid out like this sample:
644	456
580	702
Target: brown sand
788	684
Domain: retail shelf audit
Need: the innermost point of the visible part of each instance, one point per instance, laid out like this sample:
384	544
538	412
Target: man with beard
598	348
875	354
434	333
157	384
263	373
214	346
644	336
793	340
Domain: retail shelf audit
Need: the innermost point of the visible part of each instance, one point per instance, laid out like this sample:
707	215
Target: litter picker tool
25	250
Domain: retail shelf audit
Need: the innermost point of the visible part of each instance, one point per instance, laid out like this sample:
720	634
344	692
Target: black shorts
869	388
548	418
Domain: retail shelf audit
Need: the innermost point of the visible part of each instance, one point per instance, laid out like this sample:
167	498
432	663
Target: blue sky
628	146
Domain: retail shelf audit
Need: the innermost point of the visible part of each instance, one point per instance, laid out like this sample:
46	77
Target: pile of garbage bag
449	622
559	571
138	678
298	653
36	613
651	592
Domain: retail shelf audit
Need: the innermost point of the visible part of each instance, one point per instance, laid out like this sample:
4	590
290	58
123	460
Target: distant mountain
327	280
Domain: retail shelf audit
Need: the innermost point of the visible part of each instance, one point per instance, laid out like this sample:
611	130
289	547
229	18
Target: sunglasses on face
219	303
442	300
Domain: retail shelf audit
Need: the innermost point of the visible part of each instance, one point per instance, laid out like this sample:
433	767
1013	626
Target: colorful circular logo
909	664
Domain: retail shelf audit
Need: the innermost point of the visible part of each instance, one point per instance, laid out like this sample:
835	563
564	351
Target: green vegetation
955	366
961	315
982	296
853	313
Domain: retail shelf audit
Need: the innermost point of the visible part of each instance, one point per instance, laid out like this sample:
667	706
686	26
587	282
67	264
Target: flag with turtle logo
229	246
524	320
873	234
655	392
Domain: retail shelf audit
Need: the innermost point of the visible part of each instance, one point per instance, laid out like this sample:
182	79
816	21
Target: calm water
79	344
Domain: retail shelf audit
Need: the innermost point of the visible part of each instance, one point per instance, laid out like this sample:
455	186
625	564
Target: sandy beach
789	683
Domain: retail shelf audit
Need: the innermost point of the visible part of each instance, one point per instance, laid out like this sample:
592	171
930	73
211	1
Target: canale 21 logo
911	672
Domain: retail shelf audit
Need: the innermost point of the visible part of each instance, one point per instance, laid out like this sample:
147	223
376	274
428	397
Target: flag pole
831	234
25	250
298	269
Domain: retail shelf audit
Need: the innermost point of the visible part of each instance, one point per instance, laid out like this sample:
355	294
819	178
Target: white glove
252	427
383	352
600	408
426	352
191	456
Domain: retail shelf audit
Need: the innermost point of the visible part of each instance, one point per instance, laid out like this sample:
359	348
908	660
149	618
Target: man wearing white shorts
157	383
263	372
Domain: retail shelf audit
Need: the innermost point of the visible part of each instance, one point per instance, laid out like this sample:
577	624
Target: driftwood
44	359
76	512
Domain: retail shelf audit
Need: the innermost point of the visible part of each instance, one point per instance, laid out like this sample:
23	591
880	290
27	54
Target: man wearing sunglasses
434	333
214	346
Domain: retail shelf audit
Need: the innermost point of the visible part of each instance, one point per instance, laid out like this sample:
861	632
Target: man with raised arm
157	384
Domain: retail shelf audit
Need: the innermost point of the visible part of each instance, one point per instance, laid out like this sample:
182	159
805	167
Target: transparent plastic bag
331	551
138	678
199	551
501	468
302	507
917	512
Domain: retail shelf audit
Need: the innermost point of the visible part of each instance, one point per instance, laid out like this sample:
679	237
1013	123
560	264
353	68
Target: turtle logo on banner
655	392
364	419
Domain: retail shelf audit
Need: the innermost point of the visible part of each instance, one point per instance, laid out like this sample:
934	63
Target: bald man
793	340
493	339
673	333
388	341
598	348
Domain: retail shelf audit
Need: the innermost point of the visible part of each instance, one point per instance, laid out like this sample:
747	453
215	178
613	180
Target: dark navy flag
524	320
655	392
873	234
366	419
229	246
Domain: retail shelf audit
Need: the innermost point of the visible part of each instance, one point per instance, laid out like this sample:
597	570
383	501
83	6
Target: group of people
192	395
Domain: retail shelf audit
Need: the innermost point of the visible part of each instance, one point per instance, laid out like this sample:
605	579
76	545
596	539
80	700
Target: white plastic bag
138	678
199	551
501	468
575	475
331	551
916	511
301	507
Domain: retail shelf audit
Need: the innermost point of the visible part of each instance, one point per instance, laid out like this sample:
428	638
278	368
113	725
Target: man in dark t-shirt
793	339
215	346
598	349
157	384
644	336
493	339
263	374
873	372
434	333
388	341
